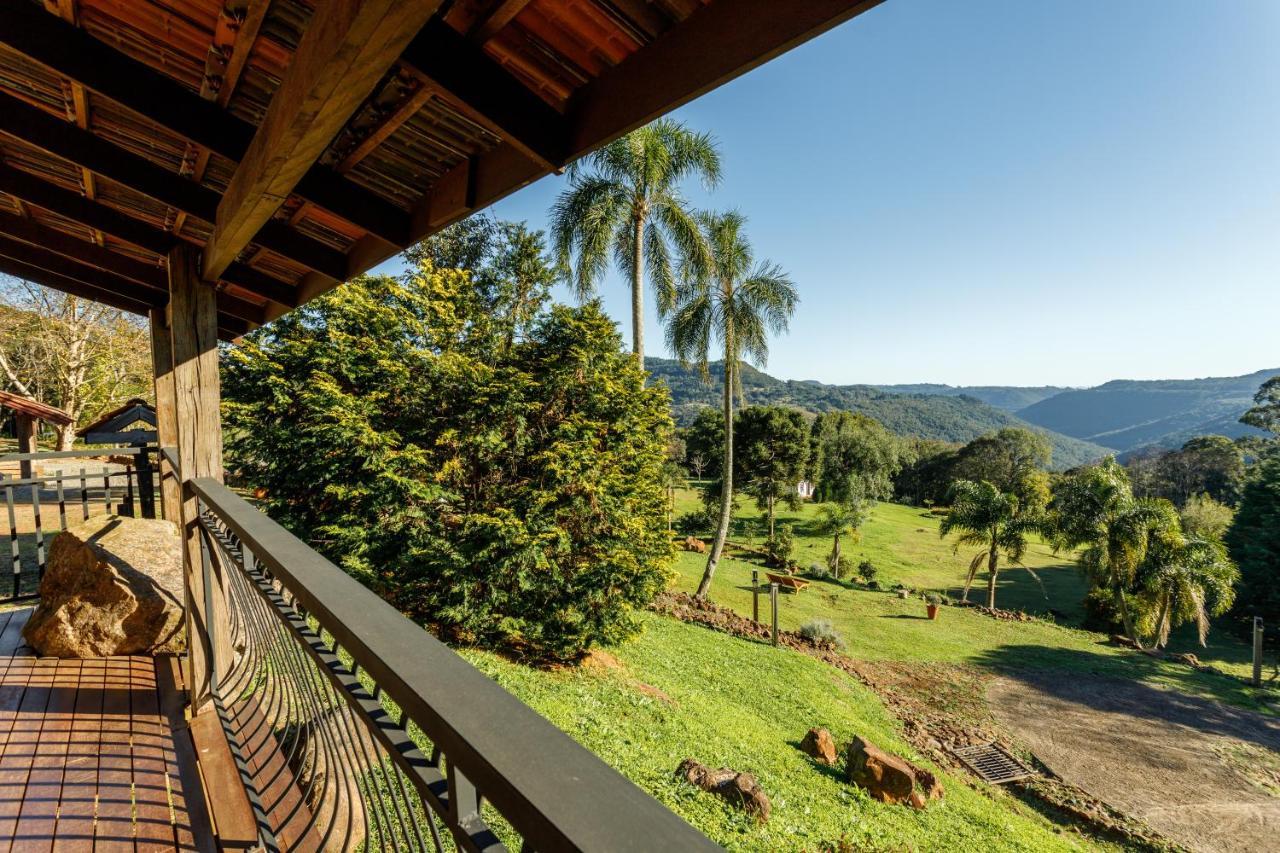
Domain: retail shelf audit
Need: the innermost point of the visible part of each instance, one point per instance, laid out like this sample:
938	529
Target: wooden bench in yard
789	581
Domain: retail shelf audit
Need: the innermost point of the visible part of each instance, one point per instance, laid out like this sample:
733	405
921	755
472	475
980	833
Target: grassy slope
746	705
904	545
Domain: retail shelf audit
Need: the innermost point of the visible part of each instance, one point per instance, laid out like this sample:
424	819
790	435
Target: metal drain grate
992	763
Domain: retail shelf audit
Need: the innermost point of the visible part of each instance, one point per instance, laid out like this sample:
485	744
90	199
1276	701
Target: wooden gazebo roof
33	408
300	142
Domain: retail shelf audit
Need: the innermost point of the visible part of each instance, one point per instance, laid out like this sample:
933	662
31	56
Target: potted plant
932	602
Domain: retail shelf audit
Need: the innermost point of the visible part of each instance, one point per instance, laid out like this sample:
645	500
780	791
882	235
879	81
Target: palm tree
625	198
994	520
726	296
1095	510
837	520
1188	579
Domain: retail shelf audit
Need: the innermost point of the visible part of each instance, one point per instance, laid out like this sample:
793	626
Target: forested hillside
943	417
1011	398
1128	414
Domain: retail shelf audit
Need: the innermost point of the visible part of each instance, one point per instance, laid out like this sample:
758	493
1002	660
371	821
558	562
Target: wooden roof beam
715	44
485	92
95	215
84	149
78	56
344	53
489	24
229	328
74	270
30	231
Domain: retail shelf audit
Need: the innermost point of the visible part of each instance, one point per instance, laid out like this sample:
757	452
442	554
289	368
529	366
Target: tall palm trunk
770	504
835	555
726	492
637	290
993	570
1125	617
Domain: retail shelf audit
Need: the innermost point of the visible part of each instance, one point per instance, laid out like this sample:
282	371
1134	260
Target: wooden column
166	412
26	441
193	333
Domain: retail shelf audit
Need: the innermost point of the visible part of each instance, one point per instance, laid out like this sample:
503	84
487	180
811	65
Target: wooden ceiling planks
130	125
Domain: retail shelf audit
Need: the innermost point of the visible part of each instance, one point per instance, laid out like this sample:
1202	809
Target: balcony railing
81	485
352	727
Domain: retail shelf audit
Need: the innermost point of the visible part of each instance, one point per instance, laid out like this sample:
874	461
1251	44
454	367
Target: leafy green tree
509	496
1094	510
998	522
927	471
625	199
1185	579
1011	458
838	520
1265	415
728	297
1207	464
772	449
1205	518
857	457
1254	543
704	444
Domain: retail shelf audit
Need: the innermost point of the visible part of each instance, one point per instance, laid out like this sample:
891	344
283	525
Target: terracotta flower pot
933	610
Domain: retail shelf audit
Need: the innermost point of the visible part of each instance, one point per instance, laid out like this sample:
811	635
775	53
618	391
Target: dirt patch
1193	769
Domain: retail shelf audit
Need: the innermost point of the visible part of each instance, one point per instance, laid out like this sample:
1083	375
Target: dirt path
1203	774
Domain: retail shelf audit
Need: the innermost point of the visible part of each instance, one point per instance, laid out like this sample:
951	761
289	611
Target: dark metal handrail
556	794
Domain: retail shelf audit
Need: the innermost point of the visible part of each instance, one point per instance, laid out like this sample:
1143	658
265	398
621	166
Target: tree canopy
853	456
505	490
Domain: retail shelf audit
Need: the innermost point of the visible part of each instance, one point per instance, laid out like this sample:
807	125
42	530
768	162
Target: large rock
740	789
888	778
819	744
112	586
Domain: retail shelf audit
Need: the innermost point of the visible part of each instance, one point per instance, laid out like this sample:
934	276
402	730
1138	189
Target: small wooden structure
134	423
26	412
791	582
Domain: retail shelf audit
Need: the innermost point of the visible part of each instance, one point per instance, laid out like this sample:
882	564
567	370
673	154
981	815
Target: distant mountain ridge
955	417
1128	414
1011	398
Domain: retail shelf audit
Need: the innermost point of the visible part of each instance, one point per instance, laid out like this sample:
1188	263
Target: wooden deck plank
39	812
12	693
154	819
11	642
19	748
74	832
193	829
113	830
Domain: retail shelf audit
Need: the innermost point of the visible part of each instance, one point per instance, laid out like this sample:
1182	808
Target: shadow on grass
903	616
1109	683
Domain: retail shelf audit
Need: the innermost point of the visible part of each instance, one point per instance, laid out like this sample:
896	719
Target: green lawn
682	691
904	545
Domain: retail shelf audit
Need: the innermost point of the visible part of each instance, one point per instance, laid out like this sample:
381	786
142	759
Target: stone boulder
740	789
112	586
889	778
819	744
694	544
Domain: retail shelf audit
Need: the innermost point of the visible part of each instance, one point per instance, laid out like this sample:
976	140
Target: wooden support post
193	331
26	442
166	414
773	600
755	596
1257	651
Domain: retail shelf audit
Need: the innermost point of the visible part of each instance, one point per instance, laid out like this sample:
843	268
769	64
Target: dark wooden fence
38	507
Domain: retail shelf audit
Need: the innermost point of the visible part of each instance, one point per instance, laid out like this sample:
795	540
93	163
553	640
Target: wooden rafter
389	124
74	54
95	215
485	92
345	51
502	13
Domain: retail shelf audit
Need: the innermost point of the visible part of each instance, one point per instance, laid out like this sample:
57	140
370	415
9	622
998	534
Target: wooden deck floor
94	754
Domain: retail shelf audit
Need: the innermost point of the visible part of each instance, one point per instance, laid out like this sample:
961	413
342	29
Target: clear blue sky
1016	192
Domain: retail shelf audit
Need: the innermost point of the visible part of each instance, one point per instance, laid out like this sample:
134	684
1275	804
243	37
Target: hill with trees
1011	398
953	418
1125	415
